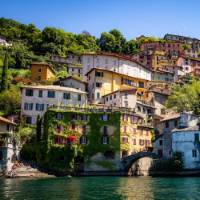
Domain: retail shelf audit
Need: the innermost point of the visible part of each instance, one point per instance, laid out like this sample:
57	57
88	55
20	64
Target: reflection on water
117	188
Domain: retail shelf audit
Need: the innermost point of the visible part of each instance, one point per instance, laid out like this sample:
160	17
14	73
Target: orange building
41	72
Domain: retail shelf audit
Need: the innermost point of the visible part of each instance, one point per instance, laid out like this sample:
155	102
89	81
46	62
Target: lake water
85	188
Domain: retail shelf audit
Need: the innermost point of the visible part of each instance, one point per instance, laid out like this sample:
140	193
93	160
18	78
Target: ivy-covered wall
61	158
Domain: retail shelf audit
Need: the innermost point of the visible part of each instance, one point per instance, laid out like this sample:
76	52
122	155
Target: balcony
94	109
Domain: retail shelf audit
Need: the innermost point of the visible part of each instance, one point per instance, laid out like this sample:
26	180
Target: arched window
105	139
83	139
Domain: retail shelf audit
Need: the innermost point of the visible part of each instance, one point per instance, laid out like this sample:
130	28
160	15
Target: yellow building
41	72
135	137
160	60
102	82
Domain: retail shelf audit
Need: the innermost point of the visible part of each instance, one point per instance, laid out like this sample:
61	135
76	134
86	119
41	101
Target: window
74	117
126	104
110	97
134	141
51	94
175	123
194	153
160	142
104	117
98	95
98	74
29	92
66	96
114	96
39	70
126	96
73	126
124	140
141	84
79	97
39	107
125	129
83	139
105	140
98	84
105	130
28	106
84	129
59	116
166	124
39	78
40	93
29	120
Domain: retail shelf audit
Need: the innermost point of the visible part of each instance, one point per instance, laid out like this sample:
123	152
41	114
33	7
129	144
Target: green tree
4	76
185	97
131	47
107	42
38	128
10	100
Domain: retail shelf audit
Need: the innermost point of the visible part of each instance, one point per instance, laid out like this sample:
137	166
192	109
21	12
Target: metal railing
97	109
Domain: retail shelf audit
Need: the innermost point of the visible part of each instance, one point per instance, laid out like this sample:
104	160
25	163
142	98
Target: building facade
102	82
37	99
41	72
72	82
103	136
9	147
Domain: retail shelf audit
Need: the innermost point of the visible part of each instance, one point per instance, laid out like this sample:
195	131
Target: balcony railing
97	109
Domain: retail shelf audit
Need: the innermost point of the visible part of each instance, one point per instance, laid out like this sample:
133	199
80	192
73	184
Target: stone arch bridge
128	161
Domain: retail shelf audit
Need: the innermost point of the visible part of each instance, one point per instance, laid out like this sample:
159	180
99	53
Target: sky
132	17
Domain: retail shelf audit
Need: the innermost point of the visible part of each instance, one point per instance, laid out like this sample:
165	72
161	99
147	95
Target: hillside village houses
135	87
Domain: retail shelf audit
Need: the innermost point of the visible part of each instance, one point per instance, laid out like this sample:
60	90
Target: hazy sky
132	17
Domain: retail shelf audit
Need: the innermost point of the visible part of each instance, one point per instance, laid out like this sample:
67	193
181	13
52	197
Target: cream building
116	63
36	99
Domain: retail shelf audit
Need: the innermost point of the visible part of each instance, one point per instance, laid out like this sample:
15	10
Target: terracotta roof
190	128
123	57
129	90
73	77
160	91
190	58
6	121
170	117
106	70
54	87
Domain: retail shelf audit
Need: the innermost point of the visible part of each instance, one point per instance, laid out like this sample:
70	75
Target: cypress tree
38	128
4	76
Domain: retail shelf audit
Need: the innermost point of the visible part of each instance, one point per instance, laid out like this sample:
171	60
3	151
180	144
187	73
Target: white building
121	98
36	99
186	141
9	149
163	145
116	63
80	64
72	82
3	42
127	98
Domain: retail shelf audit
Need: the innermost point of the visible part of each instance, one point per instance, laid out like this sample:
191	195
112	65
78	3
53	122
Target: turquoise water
85	188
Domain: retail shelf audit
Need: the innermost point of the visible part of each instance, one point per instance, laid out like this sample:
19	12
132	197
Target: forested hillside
32	44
